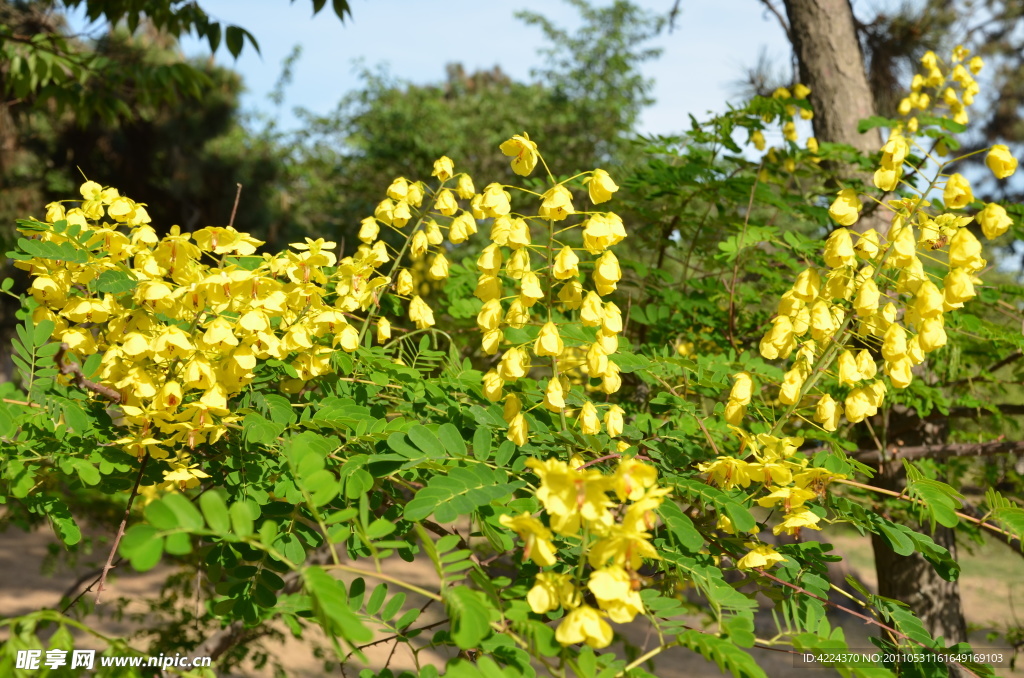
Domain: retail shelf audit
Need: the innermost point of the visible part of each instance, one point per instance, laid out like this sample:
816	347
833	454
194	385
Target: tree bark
832	65
825	42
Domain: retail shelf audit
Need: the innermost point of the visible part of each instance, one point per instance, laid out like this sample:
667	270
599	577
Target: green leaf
681	527
424	438
142	547
723	652
330	602
322	485
215	510
470	615
452	440
482	443
234	38
185	512
115	282
160	515
241	519
260	431
461	492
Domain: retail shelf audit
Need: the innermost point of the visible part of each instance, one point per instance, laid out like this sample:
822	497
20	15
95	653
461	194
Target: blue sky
713	42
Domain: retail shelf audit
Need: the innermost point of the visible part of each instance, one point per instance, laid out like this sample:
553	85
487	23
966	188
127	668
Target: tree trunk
832	66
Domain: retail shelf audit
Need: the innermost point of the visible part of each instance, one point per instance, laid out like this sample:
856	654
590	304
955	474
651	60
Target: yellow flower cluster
785	478
513	256
873	287
586	505
952	89
799	92
195	314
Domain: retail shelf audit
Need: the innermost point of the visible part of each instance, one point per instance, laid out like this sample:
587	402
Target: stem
120	530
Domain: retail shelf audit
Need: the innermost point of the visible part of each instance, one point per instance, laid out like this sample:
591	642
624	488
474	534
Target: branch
120	530
778	15
867	619
1016	355
941	451
79	379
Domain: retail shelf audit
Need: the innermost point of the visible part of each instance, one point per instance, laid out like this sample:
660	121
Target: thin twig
238	196
120	530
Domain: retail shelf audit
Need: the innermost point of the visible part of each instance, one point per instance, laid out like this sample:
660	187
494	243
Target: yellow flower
894	343
444	168
632	479
807	285
846	208
518	431
530	291
445	203
383	330
525	152
554	395
514	364
584	625
401	214
495	201
489	317
590	424
404	283
742	388
548	342
859	404
439	268
571	295
847	367
602	231
487	287
899	371
465	187
866	364
369	230
757	138
867	245
958	287
866	301
600	185
734	412
957	193
994	220
965	251
537	538
418	246
789	131
462	227
551	590
932	334
828	412
1000	161
566	264
727	472
812	143
928	301
606	273
759	557
557	203
518	263
839	248
518	314
518	234
613	421
420	313
792	382
797	519
493	385
613	588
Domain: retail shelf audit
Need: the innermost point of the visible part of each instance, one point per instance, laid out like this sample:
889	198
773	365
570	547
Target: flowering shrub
278	444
